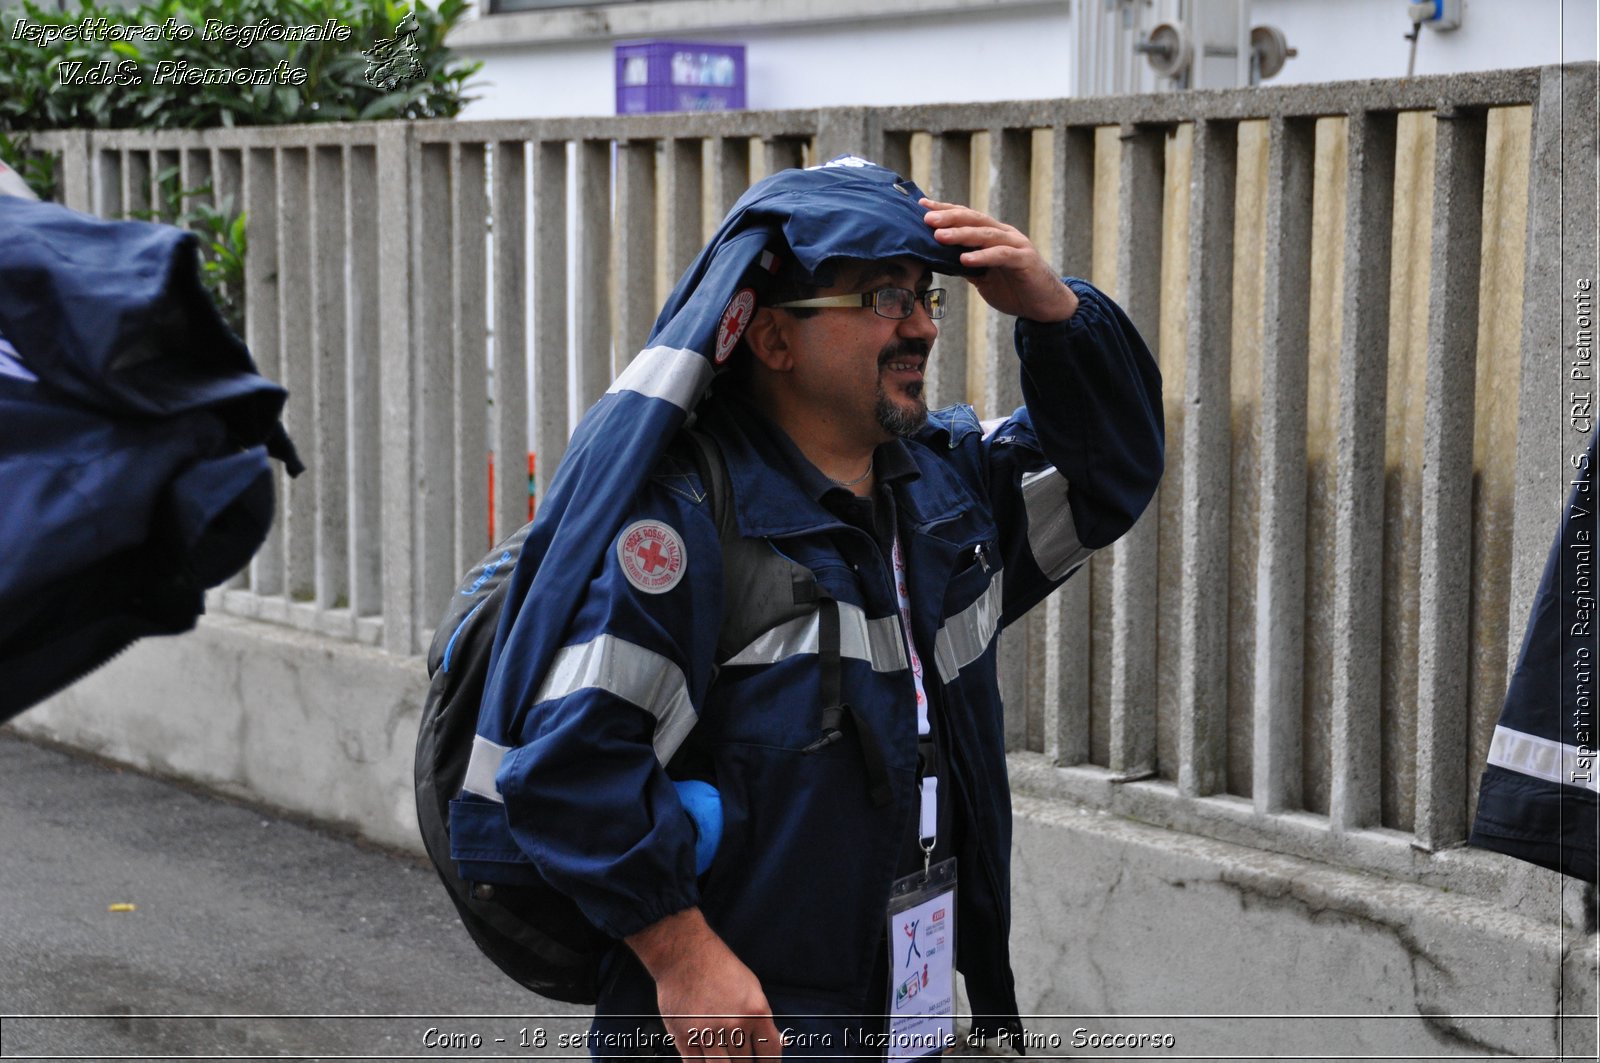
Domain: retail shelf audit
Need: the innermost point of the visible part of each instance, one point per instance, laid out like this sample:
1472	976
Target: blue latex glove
704	805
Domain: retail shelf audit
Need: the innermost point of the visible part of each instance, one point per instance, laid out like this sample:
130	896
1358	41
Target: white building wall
981	53
1349	39
1018	54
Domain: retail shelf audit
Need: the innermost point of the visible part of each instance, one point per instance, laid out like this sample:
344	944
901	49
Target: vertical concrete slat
297	371
549	309
893	150
1132	747
226	166
397	372
1281	563
469	325
1207	463
950	181
194	172
1072	199
227	173
684	215
1560	248
329	340
730	172
107	179
1010	160
1036	652
166	184
781	153
1446	568
510	440
77	179
1067	624
846	131
365	382
1066	663
1558	292
1355	776
434	443
593	298
136	178
1010	152
636	248
262	275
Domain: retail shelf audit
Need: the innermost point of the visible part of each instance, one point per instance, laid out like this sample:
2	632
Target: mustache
904	347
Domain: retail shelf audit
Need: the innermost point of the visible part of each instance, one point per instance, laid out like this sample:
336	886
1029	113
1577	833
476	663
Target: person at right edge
919	523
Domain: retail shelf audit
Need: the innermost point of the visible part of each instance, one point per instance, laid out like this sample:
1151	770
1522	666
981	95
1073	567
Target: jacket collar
778	492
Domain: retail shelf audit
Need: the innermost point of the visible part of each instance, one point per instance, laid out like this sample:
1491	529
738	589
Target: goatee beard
892	418
897	420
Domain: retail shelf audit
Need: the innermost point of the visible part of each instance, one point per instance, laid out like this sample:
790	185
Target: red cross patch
734	321
652	556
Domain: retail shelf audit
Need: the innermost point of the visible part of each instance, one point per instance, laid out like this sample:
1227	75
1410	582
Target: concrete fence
1360	297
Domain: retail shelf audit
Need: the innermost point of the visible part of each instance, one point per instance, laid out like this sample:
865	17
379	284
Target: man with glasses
855	748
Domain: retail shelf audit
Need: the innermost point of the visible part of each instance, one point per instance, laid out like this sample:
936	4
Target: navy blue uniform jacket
1537	799
134	442
595	683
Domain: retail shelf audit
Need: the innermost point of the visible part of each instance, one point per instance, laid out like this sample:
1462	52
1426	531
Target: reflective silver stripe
1052	536
11	363
877	642
636	675
1543	758
482	766
965	636
886	646
670	373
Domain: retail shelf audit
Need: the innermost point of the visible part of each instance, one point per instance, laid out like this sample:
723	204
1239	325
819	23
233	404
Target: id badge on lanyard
922	963
922	905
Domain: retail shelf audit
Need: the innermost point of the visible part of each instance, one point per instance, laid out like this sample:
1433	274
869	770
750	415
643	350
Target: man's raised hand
1017	280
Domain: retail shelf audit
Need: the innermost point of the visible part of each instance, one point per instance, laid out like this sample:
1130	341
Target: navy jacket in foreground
1538	795
134	442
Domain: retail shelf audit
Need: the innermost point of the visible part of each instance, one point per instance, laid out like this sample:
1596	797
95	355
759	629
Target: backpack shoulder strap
714	476
761	588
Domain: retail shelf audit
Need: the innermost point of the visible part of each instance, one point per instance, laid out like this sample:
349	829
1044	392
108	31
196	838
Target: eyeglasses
896	304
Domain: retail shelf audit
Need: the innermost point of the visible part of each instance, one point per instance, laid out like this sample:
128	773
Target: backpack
532	932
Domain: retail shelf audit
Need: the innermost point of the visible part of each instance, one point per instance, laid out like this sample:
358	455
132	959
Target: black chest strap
762	589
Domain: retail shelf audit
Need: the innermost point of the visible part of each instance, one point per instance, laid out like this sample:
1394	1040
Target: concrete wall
1235	952
319	727
1113	918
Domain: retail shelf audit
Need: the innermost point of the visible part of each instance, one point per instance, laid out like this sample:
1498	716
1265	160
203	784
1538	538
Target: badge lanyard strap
928	817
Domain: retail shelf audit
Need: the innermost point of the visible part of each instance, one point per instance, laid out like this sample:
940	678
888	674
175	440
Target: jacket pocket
482	847
799	887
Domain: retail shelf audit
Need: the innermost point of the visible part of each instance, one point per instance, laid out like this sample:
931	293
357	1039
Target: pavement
140	919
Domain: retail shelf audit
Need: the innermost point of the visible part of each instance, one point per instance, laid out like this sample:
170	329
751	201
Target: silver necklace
858	479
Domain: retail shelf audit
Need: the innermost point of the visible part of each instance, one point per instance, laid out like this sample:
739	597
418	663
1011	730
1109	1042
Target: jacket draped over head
134	442
846	208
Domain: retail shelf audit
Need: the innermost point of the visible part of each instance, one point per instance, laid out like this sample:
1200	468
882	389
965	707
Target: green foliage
37	168
38	89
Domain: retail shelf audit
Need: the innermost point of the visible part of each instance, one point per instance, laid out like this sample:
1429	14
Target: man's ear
767	339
